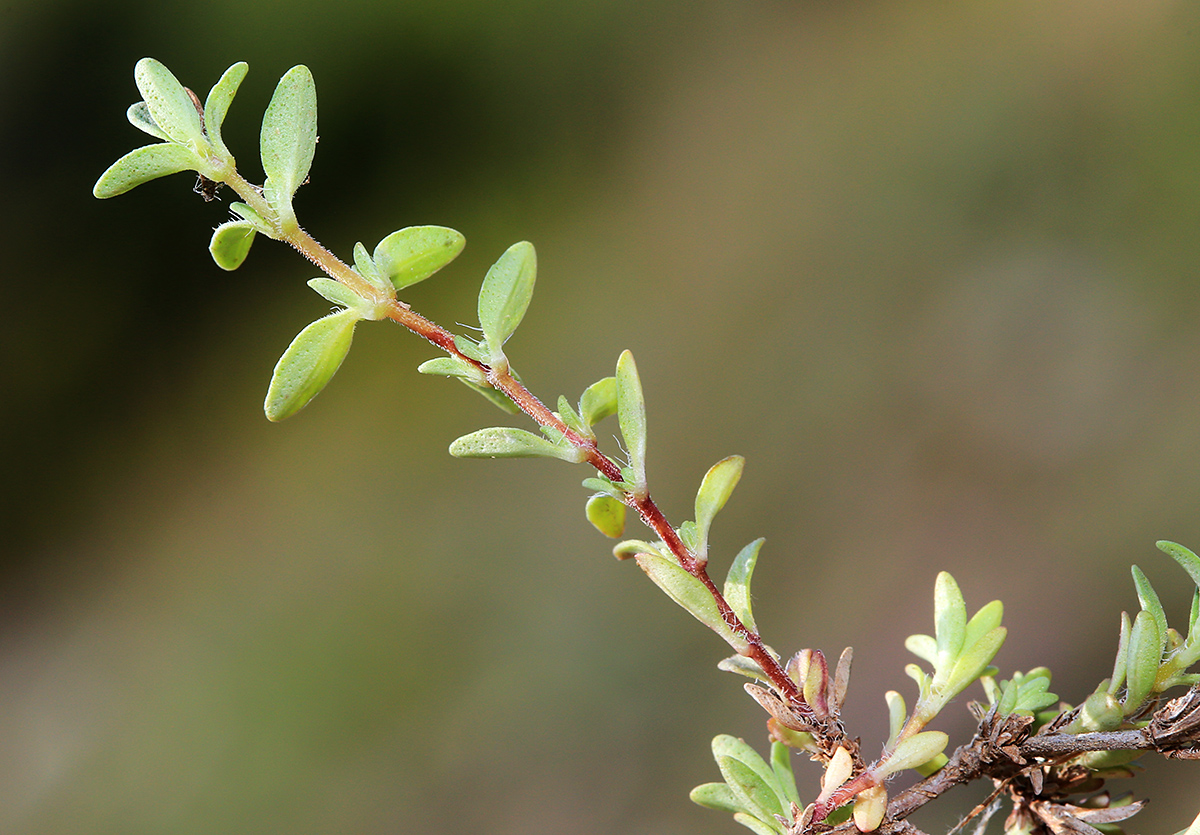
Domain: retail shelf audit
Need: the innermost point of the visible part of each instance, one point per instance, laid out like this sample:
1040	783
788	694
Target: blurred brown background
932	267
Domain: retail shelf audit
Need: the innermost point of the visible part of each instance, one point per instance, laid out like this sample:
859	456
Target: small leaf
169	104
568	416
1149	599
505	296
897	713
1142	661
139	116
469	348
922	646
983	622
630	548
231	242
216	105
743	666
715	490
973	661
752	780
691	594
758	827
911	752
365	266
1187	560
454	367
505	442
336	292
603	485
599	400
737	583
246	213
309	363
631	414
781	764
1118	676
716	796
950	618
142	165
289	135
607	515
417	252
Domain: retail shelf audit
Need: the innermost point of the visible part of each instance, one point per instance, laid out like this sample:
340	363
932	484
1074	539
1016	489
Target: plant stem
528	403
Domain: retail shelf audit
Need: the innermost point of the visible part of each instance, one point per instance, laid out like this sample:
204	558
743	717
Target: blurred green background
932	267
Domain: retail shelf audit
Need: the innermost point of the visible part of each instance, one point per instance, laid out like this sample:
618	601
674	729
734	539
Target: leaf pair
761	797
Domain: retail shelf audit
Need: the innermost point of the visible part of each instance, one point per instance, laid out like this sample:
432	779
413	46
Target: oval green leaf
737	583
231	242
950	622
413	254
607	515
1187	560
1141	661
599	400
505	295
142	165
139	116
716	796
631	415
506	442
917	749
337	293
309	363
289	134
690	593
216	105
170	106
715	489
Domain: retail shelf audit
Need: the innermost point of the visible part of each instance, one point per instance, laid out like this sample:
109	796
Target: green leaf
753	781
916	750
505	295
365	267
599	400
505	442
568	416
1187	560
417	252
142	165
716	796
690	593
607	515
984	621
1118	676
454	367
1142	661
216	105
743	666
309	363
922	646
474	350
737	583
897	713
715	490
289	136
246	213
781	764
972	663
603	485
170	106
950	619
631	415
1149	599
231	242
336	292
139	116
